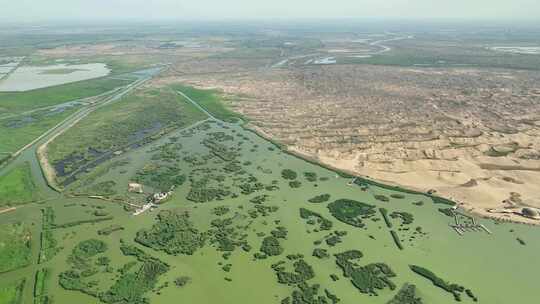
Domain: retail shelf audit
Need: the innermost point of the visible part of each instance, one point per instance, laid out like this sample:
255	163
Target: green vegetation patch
182	281
303	292
83	267
320	253
49	246
384	214
367	279
271	247
455	289
295	184
220	150
173	233
18	131
351	212
447	211
105	188
335	238
382	198
364	182
406	295
323	198
13	102
138	118
110	229
40	285
131	286
212	101
17	186
207	187
15	246
87	249
406	217
221	210
102	218
49	223
161	177
289	174
302	272
224	235
12	293
315	218
396	239
310	176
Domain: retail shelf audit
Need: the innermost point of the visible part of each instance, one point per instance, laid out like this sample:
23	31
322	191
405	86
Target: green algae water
495	266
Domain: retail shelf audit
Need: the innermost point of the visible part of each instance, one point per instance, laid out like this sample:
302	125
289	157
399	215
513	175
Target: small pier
144	208
469	226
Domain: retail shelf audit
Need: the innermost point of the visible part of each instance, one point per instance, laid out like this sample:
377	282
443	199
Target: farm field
16	132
15	246
34	114
18	102
17	186
12	293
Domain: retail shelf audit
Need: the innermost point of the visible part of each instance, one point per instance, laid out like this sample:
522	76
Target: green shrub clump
289	174
173	233
89	248
452	288
396	239
303	292
131	287
319	198
367	279
295	184
320	253
406	217
182	281
384	214
350	211
310	176
271	247
381	198
110	229
40	288
324	224
406	295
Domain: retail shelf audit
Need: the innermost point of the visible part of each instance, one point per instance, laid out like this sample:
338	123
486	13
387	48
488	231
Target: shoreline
440	193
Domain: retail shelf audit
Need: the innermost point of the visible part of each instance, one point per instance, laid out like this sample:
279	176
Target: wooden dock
462	228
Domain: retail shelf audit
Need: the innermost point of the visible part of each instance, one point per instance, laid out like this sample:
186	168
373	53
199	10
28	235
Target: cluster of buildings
152	200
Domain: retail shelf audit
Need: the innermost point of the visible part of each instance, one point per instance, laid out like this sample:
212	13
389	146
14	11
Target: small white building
135	187
160	196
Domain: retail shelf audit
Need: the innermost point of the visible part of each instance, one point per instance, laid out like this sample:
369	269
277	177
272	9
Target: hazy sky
37	10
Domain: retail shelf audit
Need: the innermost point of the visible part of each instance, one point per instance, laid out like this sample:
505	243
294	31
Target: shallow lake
27	78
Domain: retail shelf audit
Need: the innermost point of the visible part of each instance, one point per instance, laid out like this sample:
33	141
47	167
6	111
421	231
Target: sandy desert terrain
469	134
